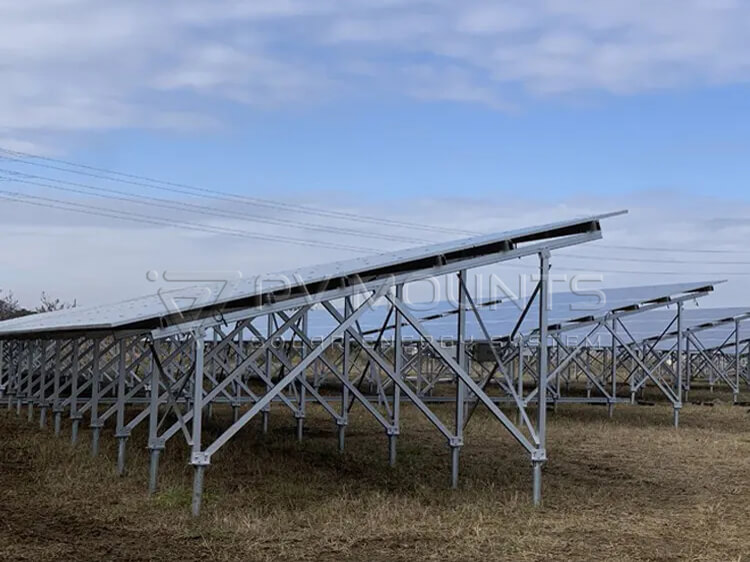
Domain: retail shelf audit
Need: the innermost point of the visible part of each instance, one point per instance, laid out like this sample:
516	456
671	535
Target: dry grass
631	488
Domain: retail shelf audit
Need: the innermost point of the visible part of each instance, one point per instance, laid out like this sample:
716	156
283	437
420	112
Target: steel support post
237	391
398	362
120	433
198	459
269	374
521	361
56	409
688	368
420	366
42	384
343	421
540	456
95	387
556	371
460	413
30	381
3	378
24	349
13	374
301	395
75	416
737	362
613	382
155	445
678	367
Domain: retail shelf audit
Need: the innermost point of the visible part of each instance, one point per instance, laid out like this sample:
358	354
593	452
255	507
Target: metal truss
172	377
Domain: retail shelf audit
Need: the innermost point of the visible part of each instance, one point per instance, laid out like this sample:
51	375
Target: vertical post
3	379
30	381
95	423
42	383
198	459
56	410
301	395
688	368
236	401
540	455
521	361
420	359
613	389
269	373
155	446
395	429
75	417
13	373
737	363
120	433
678	367
633	376
24	348
457	441
343	421
557	375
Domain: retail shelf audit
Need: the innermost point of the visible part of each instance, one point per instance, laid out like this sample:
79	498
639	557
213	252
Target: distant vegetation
10	307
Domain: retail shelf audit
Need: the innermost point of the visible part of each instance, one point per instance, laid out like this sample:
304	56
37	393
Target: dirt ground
628	488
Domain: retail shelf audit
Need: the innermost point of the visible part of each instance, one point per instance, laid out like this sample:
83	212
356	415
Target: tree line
11	308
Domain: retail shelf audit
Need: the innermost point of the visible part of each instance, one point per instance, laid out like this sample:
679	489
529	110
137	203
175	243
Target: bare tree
50	304
9	307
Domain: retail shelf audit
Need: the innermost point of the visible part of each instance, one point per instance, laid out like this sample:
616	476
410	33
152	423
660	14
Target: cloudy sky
377	117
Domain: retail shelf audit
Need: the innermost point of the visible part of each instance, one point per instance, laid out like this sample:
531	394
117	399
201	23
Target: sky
469	116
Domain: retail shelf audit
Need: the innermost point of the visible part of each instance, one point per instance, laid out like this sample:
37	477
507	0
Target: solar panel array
566	308
212	296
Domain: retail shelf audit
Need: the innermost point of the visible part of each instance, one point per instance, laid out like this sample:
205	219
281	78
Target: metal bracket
456	441
392	430
200	459
539	455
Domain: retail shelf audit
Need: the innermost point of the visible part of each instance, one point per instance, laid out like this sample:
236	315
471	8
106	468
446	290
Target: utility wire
98	191
146	219
185	189
145	181
40	201
675	250
650	260
558	268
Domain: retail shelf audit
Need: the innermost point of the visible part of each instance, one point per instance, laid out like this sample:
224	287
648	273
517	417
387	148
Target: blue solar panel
500	318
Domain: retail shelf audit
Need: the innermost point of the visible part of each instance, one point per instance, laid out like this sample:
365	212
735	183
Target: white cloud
72	65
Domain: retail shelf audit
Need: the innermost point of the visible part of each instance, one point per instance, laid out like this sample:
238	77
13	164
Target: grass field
629	488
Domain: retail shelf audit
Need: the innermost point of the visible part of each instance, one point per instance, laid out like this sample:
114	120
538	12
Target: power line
145	181
147	219
562	268
68	206
119	195
675	250
650	260
186	189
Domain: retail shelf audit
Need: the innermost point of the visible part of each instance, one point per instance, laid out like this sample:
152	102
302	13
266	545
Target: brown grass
631	488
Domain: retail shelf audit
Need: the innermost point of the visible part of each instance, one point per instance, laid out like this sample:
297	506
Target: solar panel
151	311
566	308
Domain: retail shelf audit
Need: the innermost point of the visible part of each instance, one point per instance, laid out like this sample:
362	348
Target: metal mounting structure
150	359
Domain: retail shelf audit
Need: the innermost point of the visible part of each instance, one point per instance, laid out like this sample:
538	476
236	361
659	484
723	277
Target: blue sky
694	141
479	115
